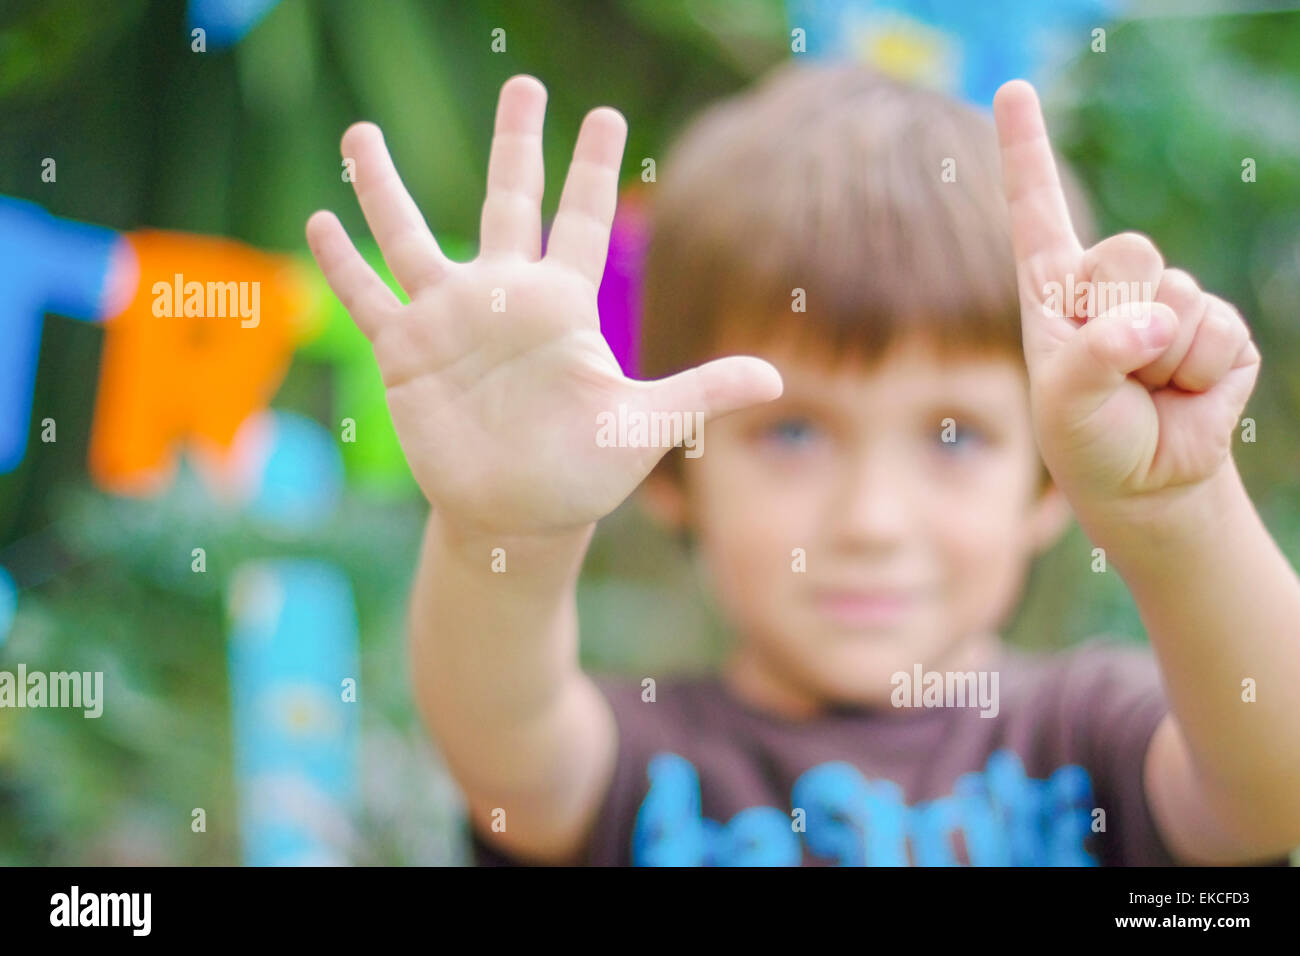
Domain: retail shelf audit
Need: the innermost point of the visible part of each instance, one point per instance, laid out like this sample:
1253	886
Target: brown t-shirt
1054	779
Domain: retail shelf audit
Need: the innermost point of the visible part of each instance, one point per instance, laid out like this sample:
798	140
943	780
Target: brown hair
882	201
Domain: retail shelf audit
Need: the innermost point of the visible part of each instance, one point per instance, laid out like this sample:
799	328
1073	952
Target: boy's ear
663	497
1050	517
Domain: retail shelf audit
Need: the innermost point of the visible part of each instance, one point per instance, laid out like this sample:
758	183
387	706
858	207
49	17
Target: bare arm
1220	604
495	666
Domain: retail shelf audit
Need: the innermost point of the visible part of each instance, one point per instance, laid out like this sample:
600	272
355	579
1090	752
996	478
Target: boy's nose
874	502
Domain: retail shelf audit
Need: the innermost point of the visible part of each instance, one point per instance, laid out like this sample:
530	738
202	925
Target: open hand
496	371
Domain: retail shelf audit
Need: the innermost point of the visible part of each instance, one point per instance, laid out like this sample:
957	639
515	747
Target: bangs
858	280
836	210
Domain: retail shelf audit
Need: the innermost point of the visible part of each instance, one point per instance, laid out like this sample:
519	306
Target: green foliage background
244	143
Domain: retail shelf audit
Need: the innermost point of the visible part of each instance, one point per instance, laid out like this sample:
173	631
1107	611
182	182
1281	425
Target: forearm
1221	604
494	651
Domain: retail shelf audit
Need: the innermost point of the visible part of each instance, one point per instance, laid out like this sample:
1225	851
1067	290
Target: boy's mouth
865	608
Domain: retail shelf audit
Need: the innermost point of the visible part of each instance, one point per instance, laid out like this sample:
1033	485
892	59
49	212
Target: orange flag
205	343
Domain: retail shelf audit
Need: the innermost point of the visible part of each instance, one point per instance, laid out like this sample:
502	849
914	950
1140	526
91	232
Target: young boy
866	515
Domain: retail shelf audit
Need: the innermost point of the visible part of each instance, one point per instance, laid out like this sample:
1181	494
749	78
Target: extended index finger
1040	218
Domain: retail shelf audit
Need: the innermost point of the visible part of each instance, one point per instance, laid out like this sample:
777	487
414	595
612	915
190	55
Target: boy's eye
790	432
960	437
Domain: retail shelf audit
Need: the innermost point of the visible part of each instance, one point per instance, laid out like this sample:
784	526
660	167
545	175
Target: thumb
1095	360
718	387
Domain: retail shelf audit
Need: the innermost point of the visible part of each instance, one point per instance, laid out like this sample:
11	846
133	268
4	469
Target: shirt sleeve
1113	696
640	735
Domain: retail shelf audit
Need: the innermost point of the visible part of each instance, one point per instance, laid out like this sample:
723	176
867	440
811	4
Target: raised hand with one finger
1135	402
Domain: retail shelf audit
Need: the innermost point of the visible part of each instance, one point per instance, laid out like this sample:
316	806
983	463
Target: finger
368	300
716	388
1097	358
512	211
1249	355
395	221
1122	269
580	235
1180	292
1040	218
1220	340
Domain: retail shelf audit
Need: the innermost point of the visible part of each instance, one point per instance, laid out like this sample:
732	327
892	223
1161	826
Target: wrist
478	544
1169	523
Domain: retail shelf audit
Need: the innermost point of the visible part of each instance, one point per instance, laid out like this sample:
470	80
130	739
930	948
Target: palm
496	371
504	414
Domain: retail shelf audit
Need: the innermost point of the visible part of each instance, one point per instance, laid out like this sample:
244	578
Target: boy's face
914	549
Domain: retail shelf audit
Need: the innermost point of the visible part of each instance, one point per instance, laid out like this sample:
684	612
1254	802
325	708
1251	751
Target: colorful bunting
8	604
204	343
963	49
48	265
619	300
226	22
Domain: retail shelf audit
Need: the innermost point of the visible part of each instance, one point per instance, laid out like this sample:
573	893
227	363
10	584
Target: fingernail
1153	330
